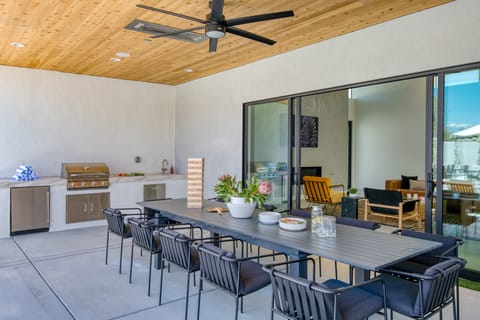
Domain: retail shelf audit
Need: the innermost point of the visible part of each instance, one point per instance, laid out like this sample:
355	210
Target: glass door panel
322	134
266	150
461	162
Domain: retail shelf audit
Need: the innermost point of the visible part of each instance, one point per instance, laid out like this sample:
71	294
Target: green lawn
470	284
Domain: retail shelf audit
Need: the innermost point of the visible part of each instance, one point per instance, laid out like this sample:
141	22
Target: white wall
331	154
389	132
47	118
209	110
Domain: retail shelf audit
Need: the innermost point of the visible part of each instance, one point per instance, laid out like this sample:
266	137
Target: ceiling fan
216	26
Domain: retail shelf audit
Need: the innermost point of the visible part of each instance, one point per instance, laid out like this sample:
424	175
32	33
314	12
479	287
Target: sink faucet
164	166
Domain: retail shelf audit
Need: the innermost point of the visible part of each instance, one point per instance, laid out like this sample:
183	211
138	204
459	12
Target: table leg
299	269
361	275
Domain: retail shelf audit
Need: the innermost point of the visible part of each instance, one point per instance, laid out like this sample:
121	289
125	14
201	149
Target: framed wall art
308	132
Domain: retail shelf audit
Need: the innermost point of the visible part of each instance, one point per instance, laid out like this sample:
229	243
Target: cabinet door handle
91	207
48	206
85	207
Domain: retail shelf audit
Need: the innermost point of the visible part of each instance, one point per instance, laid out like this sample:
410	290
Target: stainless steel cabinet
86	207
154	191
29	209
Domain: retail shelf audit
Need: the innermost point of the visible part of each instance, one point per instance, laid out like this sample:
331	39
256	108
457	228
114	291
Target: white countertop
11	183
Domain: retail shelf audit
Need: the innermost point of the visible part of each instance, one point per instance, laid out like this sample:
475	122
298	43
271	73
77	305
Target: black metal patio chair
298	298
177	249
145	237
421	295
117	225
237	276
420	263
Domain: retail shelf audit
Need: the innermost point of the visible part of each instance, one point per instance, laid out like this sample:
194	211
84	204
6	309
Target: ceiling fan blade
212	45
258	18
217	10
166	34
251	36
179	15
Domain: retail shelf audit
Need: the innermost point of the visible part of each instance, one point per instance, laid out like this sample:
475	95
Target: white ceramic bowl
269	217
241	210
293	224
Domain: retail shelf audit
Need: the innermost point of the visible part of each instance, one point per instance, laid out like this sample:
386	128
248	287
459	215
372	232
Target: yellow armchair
319	190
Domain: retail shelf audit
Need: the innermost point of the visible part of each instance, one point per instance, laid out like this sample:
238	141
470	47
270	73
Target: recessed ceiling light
188	70
18	44
123	54
116	59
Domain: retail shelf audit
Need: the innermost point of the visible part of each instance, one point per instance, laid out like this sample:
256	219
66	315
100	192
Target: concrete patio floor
62	275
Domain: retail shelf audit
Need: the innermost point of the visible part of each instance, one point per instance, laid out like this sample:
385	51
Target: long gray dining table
364	249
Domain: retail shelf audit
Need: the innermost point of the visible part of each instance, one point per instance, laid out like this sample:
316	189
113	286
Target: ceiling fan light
215	31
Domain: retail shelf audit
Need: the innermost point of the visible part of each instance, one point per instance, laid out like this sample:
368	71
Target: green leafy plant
227	187
352	190
253	191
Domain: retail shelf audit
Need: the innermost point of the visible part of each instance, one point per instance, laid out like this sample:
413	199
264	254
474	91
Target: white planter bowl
241	210
237	200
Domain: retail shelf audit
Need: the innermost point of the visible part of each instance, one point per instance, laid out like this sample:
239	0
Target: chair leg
457	301
199	295
272	306
236	307
454	309
150	272
121	254
131	263
186	298
106	250
319	266
161	281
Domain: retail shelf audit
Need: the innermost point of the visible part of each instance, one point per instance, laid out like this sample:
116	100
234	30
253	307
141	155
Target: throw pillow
406	181
417	184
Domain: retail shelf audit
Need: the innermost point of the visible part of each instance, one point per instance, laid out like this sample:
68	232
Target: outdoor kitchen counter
50	181
147	177
125	191
44	181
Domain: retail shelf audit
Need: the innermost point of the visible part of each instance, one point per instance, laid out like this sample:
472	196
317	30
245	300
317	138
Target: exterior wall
49	117
209	110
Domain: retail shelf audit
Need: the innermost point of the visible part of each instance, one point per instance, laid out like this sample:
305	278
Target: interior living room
77	87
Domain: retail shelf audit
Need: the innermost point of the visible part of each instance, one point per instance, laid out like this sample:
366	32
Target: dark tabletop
362	248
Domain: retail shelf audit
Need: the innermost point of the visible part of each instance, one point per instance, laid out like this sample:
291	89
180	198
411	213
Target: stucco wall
49	117
209	110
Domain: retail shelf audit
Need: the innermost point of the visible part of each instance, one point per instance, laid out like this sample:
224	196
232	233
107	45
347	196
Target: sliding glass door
266	150
321	147
458	182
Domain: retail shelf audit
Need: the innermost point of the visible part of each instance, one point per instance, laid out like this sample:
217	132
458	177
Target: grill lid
85	170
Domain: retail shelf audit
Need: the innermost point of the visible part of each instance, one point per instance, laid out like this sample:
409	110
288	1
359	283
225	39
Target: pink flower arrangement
265	187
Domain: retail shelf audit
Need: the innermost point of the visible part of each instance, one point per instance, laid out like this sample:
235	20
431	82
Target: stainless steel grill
86	175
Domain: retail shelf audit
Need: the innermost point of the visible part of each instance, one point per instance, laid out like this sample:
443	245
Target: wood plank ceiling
81	36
